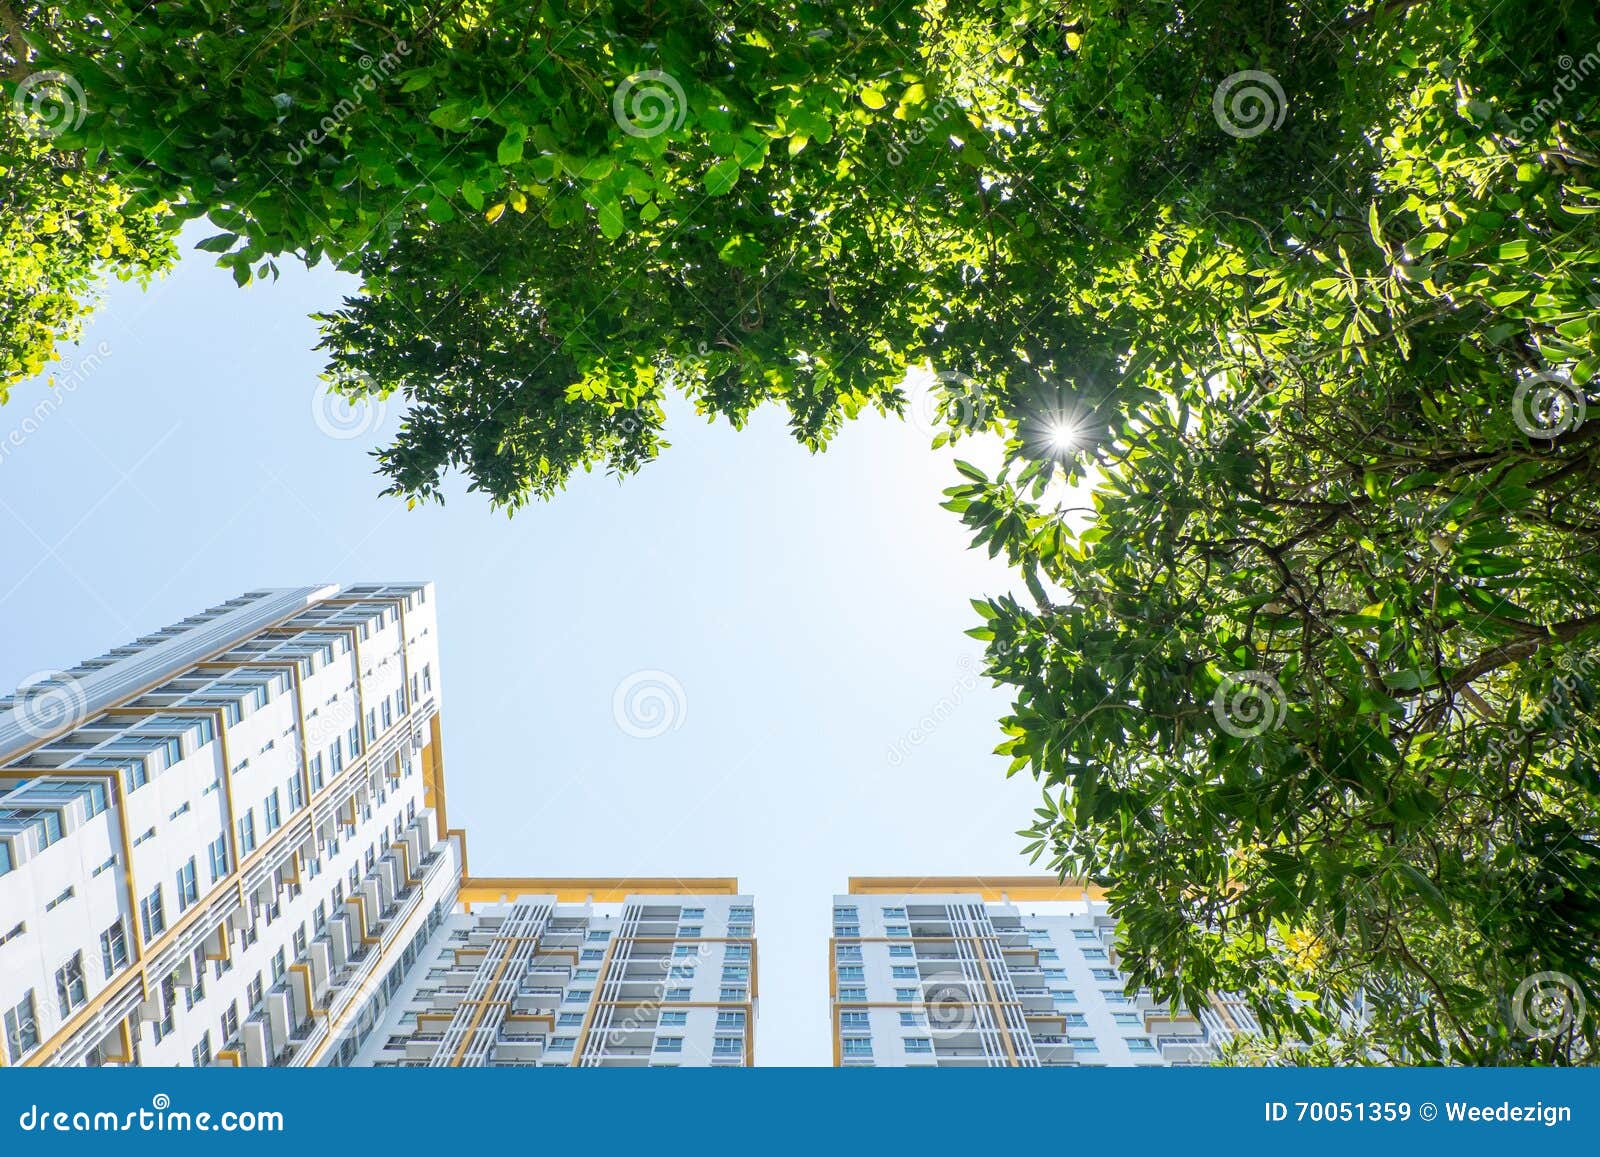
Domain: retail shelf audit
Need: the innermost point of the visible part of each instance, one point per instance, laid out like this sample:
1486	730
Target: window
919	1044
854	1020
904	972
1088	954
71	993
1052	954
253	991
598	937
22	1029
847	952
850	931
901	951
217	854
1076	1020
732	972
570	1020
169	1004
314	768
1081	934
562	1044
114	948
152	917
592	954
741	912
845	912
1125	1018
669	1044
906	994
852	972
201	1053
1084	1044
297	793
674	1019
274	812
726	1046
737	952
1139	1044
852	994
857	1046
677	994
692	914
1103	973
913	1020
689	931
188	888
581	996
61	899
737	995
894	913
896	930
247	832
730	1020
230	1021
1063	996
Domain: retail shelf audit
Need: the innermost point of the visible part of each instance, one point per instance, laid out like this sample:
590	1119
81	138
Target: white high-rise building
615	977
1013	971
226	844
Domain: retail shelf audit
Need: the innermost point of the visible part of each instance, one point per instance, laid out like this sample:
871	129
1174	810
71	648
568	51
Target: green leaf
722	177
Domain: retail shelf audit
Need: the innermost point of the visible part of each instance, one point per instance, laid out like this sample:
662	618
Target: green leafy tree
64	222
1303	292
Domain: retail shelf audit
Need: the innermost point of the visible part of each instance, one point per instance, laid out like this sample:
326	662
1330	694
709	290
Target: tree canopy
1304	291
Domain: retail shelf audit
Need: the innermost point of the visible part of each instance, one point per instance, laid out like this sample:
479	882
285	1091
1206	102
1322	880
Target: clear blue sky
810	607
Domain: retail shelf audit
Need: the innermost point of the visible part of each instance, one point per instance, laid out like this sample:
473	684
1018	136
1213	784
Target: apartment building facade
226	844
587	973
205	834
953	972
